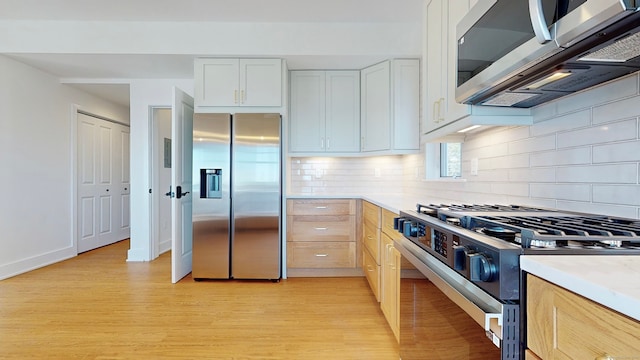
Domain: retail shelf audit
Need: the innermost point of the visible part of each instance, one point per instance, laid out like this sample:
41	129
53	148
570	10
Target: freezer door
211	195
256	196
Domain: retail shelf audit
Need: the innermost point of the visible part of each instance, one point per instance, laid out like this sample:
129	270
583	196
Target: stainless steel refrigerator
237	196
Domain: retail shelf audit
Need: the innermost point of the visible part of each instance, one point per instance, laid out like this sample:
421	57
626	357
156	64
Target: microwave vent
620	51
509	99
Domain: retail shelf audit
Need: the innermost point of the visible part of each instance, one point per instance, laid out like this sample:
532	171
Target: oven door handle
481	307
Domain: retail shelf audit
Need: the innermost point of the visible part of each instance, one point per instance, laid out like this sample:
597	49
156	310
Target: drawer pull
605	357
321	207
322	255
369	268
321	228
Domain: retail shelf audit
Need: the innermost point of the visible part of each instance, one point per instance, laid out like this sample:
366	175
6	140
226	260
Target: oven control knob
481	268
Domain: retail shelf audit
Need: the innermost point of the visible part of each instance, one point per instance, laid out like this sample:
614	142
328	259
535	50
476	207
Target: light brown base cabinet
371	215
322	237
564	325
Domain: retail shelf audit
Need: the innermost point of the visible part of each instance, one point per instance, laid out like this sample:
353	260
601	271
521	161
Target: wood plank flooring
98	306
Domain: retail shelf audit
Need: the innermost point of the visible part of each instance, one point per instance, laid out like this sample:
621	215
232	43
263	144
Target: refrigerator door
211	195
256	196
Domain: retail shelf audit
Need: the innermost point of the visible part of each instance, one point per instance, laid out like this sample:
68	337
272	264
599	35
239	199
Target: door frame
73	159
154	199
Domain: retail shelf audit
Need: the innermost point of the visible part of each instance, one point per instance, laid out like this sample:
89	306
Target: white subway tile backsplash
510	188
614	210
614	174
620	131
505	162
618	110
617	194
536	175
619	152
577	192
573	156
625	87
566	122
535	144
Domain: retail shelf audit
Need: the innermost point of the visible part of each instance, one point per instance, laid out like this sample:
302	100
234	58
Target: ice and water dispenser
211	183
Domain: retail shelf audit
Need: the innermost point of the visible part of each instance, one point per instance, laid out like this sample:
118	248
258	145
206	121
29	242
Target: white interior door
103	182
181	179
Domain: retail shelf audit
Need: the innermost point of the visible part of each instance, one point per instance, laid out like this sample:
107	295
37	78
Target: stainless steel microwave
522	53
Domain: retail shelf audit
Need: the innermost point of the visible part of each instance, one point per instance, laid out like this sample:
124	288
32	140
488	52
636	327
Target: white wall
582	154
36	164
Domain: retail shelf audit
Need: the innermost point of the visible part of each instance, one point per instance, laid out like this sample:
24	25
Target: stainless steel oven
471	304
447	316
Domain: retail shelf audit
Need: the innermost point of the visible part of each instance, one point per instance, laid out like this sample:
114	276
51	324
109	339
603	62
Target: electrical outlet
474	166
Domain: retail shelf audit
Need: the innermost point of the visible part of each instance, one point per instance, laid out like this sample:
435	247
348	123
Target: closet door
100	179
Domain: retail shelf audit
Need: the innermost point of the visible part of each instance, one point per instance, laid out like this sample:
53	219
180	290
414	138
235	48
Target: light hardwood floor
97	306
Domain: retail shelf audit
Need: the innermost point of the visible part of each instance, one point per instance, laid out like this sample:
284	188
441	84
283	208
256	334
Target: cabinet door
217	82
390	290
342	111
260	82
582	329
307	117
375	110
406	104
454	110
433	56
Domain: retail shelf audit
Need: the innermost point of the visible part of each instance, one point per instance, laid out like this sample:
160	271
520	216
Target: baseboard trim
36	262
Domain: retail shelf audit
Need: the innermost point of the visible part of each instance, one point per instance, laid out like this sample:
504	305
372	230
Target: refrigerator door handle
179	193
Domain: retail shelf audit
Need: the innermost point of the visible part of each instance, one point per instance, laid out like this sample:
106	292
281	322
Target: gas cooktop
538	228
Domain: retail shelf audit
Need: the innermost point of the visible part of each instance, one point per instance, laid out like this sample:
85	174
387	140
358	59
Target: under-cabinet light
549	79
469	128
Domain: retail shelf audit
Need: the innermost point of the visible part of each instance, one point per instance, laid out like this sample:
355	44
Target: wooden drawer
321	228
371	214
371	240
564	325
321	207
387	224
372	272
321	254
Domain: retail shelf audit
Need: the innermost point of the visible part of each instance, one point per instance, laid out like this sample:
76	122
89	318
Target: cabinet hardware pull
434	113
605	357
369	268
328	143
321	228
321	143
322	255
321	207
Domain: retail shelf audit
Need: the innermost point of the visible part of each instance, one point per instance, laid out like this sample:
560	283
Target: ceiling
122	66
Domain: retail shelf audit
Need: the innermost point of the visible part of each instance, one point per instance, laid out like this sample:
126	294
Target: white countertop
611	280
392	202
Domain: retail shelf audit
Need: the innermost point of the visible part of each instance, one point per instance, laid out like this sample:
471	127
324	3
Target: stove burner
500	233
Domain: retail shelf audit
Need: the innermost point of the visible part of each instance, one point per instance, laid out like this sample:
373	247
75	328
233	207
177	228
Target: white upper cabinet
442	115
376	107
325	112
390	107
238	82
